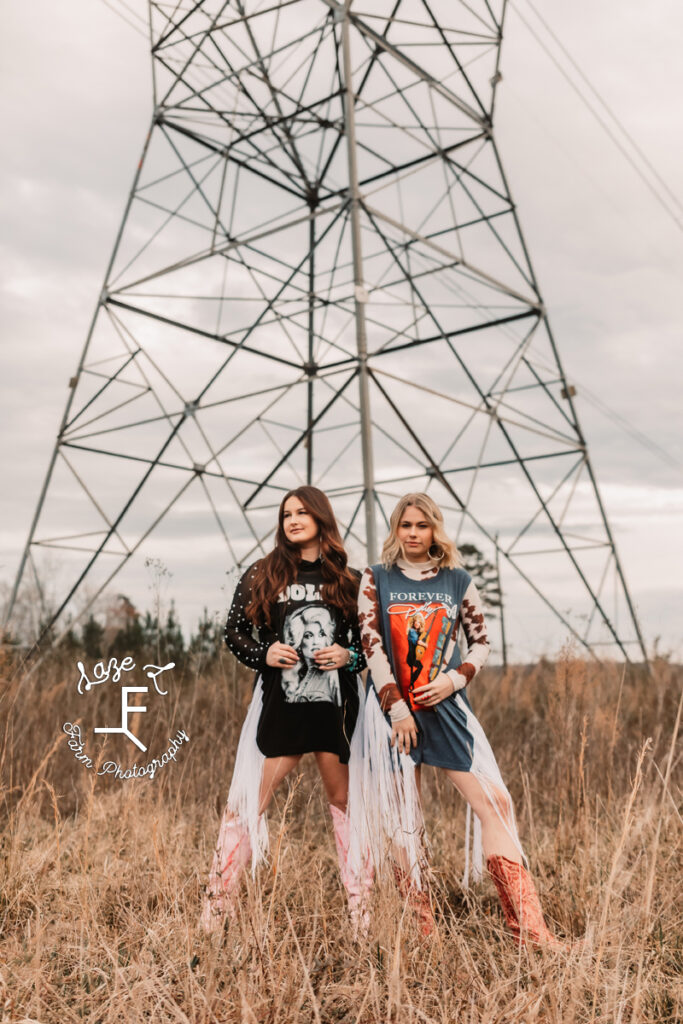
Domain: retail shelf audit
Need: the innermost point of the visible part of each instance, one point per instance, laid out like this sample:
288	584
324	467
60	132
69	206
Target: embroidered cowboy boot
231	856
358	884
418	901
509	912
520	903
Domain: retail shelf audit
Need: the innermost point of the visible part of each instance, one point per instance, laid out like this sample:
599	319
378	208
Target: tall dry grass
102	879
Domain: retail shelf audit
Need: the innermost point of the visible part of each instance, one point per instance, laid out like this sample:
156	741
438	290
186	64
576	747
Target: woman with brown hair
411	606
293	620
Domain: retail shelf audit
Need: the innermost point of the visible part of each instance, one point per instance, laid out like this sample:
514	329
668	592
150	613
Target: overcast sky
76	103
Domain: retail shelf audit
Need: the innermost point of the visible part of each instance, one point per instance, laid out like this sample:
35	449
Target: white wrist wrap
458	680
399	711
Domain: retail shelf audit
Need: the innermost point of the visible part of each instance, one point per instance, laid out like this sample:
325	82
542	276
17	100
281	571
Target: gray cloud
76	101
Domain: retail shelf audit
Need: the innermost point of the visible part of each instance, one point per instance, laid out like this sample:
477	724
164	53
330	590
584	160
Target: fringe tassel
485	769
384	808
477	851
355	806
243	798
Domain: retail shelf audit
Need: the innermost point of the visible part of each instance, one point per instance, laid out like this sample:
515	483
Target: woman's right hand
281	656
403	733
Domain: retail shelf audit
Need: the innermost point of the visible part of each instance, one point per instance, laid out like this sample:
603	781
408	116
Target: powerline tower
320	276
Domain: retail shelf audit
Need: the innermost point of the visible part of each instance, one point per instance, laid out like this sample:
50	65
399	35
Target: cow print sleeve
373	647
474	627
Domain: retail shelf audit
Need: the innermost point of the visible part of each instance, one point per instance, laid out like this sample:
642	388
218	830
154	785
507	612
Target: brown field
102	879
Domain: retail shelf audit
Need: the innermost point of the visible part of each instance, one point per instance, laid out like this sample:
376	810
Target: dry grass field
102	878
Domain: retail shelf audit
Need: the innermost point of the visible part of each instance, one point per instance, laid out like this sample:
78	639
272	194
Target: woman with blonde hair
419	582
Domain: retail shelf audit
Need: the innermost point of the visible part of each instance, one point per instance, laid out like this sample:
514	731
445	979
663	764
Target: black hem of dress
300	753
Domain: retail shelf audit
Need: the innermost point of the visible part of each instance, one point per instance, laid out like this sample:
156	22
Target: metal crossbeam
320	275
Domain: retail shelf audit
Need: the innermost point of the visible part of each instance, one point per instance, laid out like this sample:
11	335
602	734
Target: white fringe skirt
384	806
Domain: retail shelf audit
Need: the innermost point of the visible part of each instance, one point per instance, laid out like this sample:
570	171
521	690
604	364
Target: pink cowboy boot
231	856
358	886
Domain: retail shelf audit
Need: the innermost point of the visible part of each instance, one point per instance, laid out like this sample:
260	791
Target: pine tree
172	643
92	638
206	643
483	573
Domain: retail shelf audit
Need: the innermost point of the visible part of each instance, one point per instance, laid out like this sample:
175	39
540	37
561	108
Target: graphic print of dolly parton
419	633
417	645
308	630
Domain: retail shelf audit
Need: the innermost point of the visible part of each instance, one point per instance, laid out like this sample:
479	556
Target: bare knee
337	792
335	778
498	804
274	771
487	800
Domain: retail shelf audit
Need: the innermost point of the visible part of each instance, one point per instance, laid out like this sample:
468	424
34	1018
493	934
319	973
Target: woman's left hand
433	693
329	658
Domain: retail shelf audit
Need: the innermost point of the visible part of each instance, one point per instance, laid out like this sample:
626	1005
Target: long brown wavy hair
273	573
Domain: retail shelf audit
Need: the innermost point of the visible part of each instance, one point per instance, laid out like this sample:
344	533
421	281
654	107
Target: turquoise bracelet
353	660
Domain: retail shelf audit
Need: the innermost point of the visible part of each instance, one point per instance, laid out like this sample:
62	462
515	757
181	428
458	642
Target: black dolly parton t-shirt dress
305	708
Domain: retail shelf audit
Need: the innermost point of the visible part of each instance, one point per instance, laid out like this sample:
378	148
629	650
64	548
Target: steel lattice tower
320	276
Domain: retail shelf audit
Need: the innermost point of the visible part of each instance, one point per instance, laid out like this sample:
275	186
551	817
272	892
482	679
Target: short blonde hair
443	549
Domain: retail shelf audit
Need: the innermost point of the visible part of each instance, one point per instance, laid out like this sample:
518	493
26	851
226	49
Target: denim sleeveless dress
417	619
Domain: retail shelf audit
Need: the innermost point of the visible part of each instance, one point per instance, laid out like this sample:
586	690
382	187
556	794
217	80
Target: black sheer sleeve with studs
240	632
354	644
353	638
